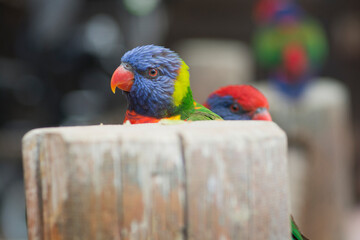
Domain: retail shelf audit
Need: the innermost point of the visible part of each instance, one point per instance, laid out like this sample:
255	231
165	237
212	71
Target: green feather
202	113
192	111
270	41
295	232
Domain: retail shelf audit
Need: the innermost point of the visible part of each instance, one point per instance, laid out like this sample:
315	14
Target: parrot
289	44
239	102
244	102
156	83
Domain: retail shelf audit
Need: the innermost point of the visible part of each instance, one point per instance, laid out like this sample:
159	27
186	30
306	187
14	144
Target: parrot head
154	79
239	102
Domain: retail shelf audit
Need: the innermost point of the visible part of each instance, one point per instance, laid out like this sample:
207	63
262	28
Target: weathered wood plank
153	185
203	180
236	182
106	184
31	157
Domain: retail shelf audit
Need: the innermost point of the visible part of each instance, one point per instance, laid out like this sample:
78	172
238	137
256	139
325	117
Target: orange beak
122	79
262	114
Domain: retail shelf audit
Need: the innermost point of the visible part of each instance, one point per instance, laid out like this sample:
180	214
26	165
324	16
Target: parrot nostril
259	110
261	114
127	66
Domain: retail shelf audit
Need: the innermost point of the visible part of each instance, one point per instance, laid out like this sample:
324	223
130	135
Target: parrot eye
234	107
153	72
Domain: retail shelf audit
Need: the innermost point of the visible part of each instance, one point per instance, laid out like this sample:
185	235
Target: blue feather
293	90
221	106
152	96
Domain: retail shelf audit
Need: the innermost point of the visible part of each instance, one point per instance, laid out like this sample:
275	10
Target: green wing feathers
295	232
200	113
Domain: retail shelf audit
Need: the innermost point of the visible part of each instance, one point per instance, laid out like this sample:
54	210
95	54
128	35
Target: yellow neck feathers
182	83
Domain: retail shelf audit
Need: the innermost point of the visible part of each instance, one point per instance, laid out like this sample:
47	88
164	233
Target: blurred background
57	57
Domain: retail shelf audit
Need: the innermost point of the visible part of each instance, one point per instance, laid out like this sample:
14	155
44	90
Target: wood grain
236	181
201	180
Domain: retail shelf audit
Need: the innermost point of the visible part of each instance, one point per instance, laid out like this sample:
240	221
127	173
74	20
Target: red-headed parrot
156	83
239	102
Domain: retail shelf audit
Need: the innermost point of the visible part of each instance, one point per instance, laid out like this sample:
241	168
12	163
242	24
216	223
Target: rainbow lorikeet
289	44
239	102
156	83
244	102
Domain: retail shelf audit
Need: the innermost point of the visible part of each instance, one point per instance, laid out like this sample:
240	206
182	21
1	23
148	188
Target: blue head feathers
227	108
151	56
155	70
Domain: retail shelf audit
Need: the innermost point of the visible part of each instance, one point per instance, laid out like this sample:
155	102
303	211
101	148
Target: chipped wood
201	180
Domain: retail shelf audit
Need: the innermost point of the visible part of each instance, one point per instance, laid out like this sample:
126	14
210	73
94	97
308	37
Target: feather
295	232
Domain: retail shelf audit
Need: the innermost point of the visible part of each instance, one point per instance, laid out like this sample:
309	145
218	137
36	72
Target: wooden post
200	180
319	130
